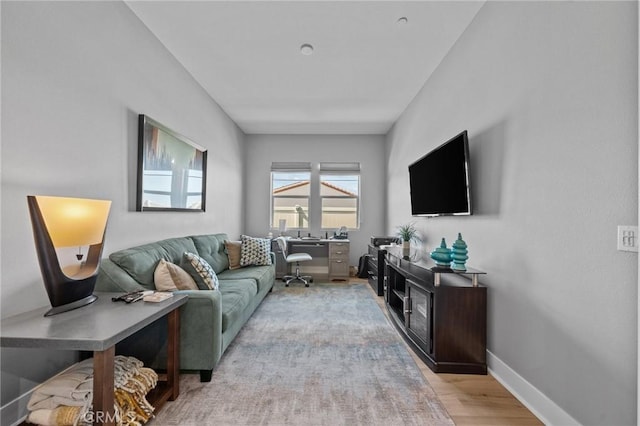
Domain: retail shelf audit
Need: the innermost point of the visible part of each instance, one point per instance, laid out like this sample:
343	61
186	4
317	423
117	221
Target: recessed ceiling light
306	49
402	20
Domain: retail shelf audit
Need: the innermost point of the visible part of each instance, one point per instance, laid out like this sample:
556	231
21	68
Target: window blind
339	167
290	166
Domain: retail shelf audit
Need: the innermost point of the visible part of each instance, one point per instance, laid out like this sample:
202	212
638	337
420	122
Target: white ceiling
364	71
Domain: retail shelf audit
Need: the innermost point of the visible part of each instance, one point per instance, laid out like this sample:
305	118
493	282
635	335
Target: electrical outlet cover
628	238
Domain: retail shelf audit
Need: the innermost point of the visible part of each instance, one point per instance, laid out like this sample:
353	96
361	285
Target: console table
440	313
98	327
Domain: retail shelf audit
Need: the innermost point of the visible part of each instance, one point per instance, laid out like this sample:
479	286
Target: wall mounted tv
439	181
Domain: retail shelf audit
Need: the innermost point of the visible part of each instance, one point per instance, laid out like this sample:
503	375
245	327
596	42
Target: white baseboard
540	405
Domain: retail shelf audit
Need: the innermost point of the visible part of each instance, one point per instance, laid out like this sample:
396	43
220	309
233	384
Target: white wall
549	94
75	75
262	150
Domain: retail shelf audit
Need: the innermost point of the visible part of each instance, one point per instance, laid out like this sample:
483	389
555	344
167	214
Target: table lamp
58	223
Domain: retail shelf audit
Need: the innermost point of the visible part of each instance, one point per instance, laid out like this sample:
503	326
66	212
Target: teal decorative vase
459	254
442	255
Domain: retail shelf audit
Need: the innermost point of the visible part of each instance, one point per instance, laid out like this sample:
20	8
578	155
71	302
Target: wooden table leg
173	357
103	376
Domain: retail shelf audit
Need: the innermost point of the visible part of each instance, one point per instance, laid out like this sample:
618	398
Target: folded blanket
61	416
73	387
130	395
67	398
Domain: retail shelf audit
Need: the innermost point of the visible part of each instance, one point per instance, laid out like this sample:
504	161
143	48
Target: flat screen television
439	181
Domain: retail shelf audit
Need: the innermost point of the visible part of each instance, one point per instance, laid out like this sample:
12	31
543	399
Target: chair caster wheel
306	285
286	285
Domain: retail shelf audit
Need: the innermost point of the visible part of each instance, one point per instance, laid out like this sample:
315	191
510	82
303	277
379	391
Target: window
340	195
332	196
290	193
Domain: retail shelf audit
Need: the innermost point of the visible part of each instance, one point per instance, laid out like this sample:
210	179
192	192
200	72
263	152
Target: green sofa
210	320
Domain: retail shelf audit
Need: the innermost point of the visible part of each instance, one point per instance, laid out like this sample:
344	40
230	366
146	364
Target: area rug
323	355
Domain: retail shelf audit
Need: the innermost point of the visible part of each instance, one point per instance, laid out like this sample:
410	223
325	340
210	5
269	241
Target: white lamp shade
73	222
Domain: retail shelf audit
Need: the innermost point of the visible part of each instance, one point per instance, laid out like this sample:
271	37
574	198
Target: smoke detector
306	49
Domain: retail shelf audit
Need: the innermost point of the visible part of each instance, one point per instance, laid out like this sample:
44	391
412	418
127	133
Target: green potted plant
407	233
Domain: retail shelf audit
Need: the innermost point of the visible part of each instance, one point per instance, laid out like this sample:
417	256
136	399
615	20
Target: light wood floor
472	399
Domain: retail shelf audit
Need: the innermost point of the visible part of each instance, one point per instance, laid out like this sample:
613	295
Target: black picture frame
172	170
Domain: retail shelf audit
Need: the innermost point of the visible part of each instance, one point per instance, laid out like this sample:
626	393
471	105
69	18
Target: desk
98	327
332	255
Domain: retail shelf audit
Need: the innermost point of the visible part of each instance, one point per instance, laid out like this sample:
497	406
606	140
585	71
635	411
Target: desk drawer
338	250
372	267
338	269
313	249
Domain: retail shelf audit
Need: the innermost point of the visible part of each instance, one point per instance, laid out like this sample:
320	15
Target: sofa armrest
273	257
200	329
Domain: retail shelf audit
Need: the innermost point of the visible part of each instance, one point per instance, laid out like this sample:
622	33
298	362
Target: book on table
158	296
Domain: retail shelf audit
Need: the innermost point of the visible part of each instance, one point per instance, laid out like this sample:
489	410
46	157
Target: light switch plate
628	238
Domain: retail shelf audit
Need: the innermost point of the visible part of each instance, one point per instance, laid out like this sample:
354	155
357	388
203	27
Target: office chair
297	258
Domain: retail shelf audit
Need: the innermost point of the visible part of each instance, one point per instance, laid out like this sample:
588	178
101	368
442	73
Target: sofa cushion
236	297
211	248
140	262
233	249
255	251
171	277
200	271
261	275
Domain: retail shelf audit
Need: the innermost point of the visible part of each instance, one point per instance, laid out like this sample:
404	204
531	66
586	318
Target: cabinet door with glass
419	321
396	292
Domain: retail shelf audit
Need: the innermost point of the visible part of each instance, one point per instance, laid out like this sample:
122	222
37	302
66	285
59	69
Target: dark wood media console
440	313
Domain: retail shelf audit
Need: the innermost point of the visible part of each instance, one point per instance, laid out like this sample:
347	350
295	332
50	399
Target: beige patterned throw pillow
171	277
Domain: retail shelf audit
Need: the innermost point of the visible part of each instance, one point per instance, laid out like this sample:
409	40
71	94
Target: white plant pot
406	249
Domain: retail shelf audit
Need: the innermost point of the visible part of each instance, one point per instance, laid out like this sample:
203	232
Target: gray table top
94	327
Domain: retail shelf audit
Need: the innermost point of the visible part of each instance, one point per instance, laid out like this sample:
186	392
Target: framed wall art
172	170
